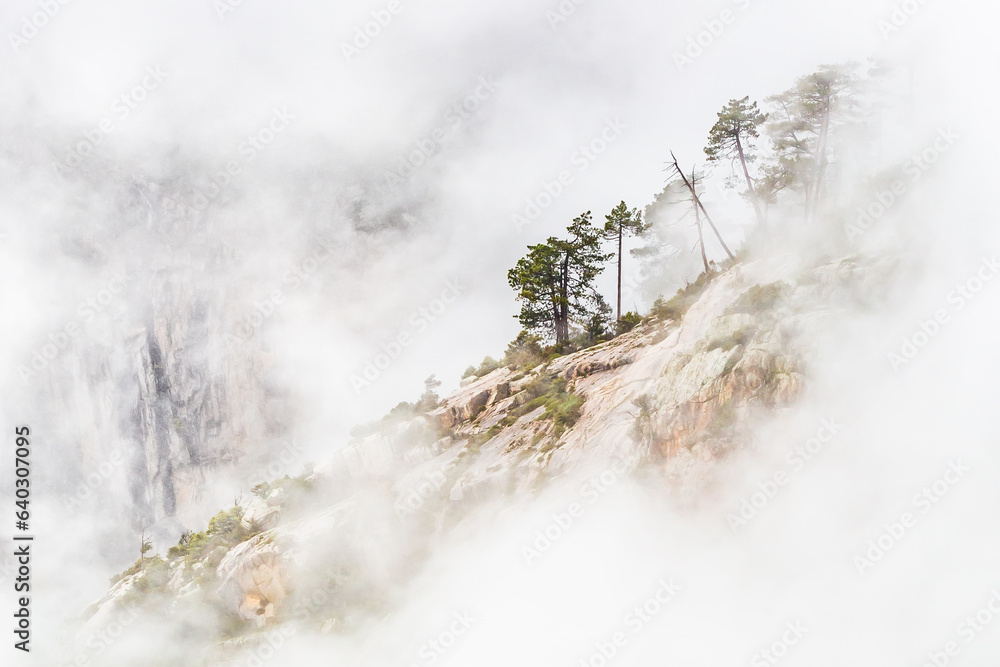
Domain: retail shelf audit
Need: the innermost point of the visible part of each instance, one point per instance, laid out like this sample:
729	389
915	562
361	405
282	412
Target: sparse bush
629	321
561	406
759	298
524	352
488	365
678	305
225	529
728	342
401	412
596	330
429	399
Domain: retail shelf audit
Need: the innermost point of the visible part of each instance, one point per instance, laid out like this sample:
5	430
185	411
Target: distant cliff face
167	387
671	398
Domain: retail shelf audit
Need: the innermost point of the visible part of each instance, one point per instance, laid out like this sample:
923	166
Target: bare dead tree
677	171
697	221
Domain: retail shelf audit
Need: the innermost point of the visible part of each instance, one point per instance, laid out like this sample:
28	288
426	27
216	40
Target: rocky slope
675	395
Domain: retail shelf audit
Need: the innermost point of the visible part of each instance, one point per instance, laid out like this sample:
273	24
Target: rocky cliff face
167	387
672	397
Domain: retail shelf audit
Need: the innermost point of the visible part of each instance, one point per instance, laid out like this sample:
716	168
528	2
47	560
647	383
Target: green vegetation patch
678	305
759	298
561	405
629	321
225	529
488	365
729	341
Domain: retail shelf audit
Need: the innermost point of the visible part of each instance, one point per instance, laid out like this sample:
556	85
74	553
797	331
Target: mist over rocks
699	395
214	216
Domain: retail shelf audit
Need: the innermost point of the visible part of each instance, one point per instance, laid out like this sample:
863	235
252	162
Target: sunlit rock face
670	392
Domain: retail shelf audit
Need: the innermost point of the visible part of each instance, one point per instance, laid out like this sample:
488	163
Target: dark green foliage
733	134
622	222
732	138
678	305
561	406
628	321
759	298
524	352
596	330
554	282
488	365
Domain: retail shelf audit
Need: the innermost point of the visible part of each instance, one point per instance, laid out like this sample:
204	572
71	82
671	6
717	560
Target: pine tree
732	138
622	222
801	124
555	280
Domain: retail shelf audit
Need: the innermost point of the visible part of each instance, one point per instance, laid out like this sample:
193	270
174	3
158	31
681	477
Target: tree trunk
618	318
750	187
701	238
562	326
698	202
824	132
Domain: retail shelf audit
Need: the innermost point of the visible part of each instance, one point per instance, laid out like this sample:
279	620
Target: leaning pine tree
555	281
732	137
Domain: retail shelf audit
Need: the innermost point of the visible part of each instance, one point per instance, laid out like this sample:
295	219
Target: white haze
556	89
